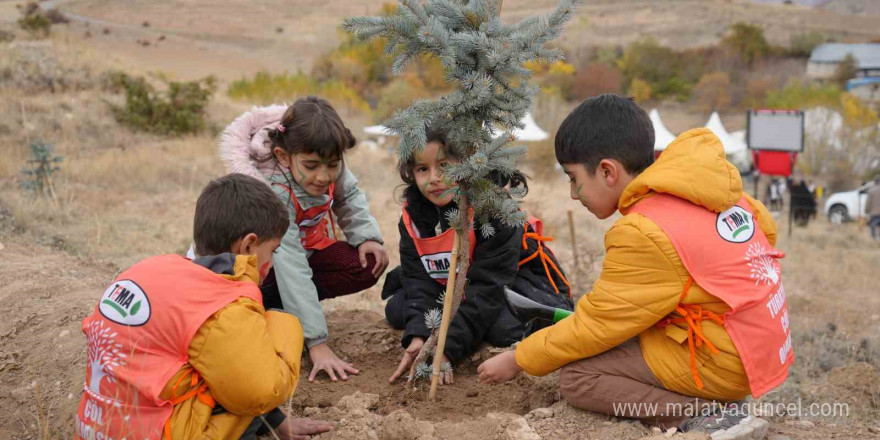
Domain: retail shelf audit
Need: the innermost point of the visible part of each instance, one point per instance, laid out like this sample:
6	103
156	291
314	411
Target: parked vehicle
849	205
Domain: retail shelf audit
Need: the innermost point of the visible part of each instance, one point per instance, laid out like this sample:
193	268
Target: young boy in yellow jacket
181	349
689	308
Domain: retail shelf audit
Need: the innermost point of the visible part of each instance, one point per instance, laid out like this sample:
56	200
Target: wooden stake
574	252
447	317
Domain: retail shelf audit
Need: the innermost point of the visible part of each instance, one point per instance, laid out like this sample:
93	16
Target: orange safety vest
436	252
138	339
313	222
729	256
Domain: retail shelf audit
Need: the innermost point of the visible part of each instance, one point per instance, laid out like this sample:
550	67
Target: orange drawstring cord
545	259
197	391
693	315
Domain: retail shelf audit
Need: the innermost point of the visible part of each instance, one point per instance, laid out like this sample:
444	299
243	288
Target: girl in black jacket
512	257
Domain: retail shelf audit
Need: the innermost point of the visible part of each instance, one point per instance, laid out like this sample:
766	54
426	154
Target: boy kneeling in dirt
689	309
183	349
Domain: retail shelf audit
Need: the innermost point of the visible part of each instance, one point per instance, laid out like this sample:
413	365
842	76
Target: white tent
530	132
662	136
742	159
731	144
378	130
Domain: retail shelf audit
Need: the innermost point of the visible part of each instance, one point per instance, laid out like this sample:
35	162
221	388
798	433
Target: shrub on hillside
845	71
34	20
176	111
399	94
265	88
798	94
712	92
756	91
659	66
596	80
640	90
747	41
802	44
56	17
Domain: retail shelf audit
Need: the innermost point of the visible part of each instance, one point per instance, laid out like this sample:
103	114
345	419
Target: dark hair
311	125
423	212
233	206
607	127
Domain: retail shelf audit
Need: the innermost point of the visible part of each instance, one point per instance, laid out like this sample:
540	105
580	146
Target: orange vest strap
693	315
545	259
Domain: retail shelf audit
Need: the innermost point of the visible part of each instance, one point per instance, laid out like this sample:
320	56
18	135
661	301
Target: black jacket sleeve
494	266
420	290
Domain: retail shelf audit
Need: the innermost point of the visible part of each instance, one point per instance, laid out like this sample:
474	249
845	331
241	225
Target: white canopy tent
378	130
662	136
731	144
530	132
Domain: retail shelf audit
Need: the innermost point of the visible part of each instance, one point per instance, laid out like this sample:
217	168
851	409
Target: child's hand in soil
323	358
499	369
415	345
301	429
372	247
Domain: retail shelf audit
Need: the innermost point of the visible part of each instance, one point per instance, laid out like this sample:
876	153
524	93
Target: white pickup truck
849	205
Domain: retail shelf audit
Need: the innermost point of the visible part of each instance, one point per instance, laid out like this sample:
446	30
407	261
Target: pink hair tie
281	128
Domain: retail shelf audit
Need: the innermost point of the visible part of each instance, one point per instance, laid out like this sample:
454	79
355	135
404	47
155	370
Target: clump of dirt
366	340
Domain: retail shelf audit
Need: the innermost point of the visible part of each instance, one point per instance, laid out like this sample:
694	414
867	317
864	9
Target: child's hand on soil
323	358
499	369
415	345
372	247
301	429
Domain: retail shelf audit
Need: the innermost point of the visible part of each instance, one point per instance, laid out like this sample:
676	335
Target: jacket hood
693	168
246	138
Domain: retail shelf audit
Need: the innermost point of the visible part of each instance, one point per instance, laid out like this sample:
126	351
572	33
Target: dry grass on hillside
123	196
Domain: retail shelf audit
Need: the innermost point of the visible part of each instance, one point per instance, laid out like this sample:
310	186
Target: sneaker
726	426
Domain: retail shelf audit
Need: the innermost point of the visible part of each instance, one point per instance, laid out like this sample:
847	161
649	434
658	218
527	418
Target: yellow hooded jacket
249	358
643	278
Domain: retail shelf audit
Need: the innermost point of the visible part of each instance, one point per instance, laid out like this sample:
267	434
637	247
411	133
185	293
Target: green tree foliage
266	88
712	92
595	80
640	90
661	67
747	41
845	71
802	44
41	165
34	20
180	109
484	58
799	94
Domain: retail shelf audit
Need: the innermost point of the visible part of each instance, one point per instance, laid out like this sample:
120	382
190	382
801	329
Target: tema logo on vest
124	302
735	225
437	265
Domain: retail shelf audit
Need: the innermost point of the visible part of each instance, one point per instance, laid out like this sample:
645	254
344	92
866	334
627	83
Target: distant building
866	89
826	57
